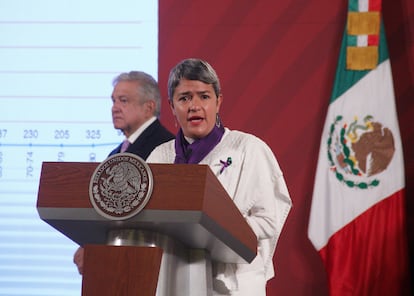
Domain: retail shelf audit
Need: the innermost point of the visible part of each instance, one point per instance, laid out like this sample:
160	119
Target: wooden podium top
188	203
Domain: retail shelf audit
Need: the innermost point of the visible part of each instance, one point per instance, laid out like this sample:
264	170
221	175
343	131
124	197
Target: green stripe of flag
353	5
344	78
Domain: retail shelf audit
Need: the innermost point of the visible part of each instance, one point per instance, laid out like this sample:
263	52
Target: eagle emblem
359	150
121	186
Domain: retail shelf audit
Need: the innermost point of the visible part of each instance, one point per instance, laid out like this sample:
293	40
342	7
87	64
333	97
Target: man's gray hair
148	87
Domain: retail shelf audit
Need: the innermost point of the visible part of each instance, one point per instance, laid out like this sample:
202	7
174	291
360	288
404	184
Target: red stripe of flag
374	5
384	262
373	40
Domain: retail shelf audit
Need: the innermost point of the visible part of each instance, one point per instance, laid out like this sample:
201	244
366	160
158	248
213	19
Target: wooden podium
188	210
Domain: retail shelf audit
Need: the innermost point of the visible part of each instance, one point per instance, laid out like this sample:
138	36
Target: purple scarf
196	151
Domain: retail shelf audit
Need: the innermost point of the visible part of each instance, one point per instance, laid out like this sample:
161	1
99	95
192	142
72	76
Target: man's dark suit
151	137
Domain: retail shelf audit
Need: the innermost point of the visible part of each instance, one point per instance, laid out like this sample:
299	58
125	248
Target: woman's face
195	105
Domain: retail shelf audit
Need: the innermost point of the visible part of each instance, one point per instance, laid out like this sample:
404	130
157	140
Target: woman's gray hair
193	69
148	87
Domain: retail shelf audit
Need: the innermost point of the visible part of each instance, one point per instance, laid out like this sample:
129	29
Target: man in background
135	110
136	104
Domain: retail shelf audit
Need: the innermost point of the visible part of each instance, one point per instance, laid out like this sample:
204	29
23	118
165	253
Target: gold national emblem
121	186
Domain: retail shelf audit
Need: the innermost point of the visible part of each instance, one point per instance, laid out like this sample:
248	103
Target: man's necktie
125	145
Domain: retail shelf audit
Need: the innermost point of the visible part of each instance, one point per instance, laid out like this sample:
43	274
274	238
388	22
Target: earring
218	121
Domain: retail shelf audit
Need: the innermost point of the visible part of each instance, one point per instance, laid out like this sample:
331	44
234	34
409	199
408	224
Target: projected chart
22	149
57	63
31	251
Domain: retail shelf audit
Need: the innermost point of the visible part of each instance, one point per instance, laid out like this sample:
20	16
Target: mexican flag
357	219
